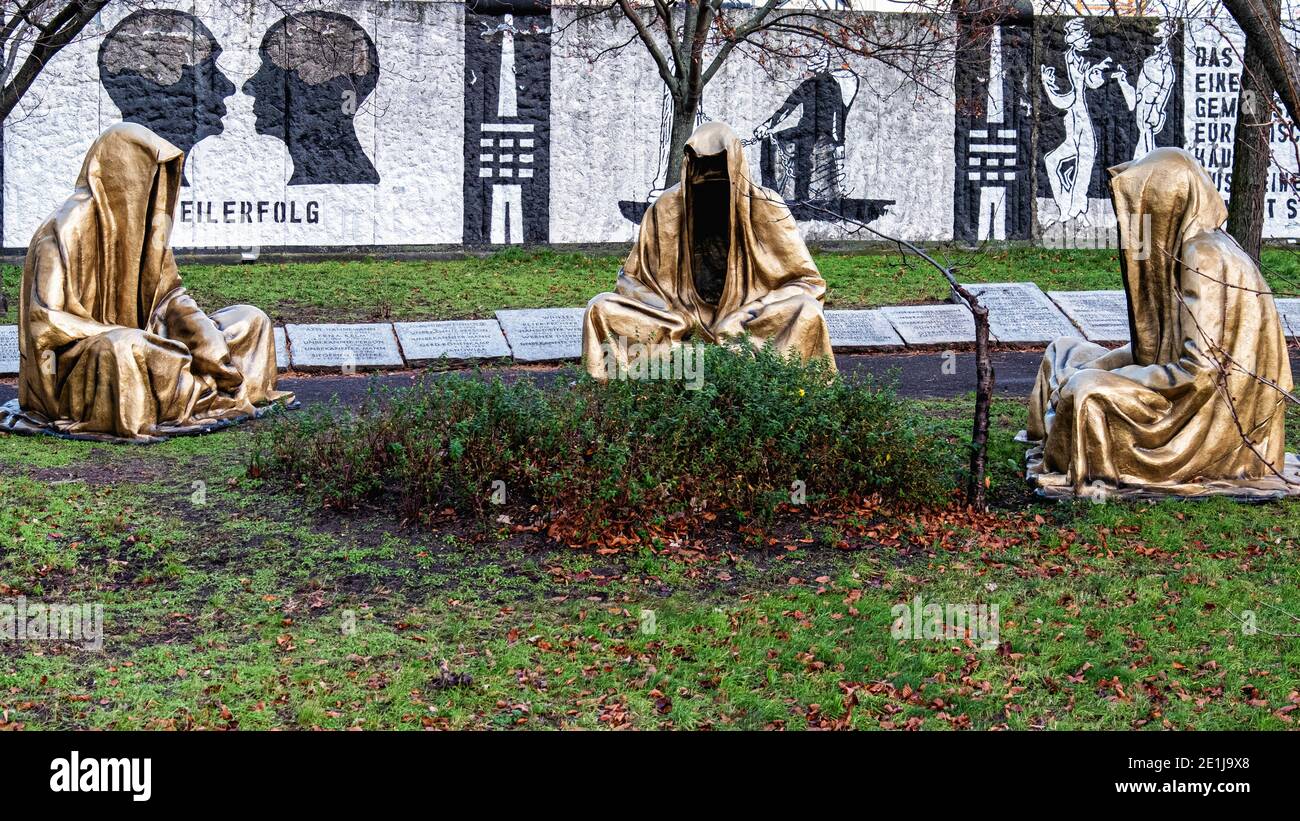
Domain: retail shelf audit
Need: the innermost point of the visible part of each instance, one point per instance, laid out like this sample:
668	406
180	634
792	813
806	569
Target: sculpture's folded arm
179	317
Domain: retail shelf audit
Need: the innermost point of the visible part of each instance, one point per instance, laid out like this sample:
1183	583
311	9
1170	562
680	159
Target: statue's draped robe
1206	363
772	289
110	344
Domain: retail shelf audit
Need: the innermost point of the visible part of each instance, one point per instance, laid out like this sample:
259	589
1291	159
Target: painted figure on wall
507	123
802	154
802	146
111	346
1155	83
1135	107
318	68
718	256
159	68
1196	402
1069	165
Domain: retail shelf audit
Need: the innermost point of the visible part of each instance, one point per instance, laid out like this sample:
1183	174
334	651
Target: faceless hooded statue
110	344
718	256
1195	403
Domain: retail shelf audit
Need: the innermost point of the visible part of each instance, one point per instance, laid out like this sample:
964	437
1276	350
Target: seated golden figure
110	344
718	256
1195	404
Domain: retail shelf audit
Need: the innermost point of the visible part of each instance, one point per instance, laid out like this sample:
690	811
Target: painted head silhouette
159	67
317	69
1077	36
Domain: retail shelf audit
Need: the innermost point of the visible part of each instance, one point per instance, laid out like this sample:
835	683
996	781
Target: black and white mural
992	182
381	123
801	146
308	125
159	67
1212	85
804	143
317	69
507	122
1110	89
1044	106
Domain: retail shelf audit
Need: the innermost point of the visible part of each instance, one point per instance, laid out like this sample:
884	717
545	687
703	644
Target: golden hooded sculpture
110	345
1195	404
718	256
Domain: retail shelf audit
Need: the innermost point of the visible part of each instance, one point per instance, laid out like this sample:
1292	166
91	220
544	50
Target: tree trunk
979	444
683	125
57	31
984	380
1258	19
1250	149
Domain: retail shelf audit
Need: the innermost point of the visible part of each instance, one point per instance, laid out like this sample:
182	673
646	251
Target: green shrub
616	457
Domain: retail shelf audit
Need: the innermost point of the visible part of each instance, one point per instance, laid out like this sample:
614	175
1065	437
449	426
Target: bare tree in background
1261	23
31	33
1251	154
690	40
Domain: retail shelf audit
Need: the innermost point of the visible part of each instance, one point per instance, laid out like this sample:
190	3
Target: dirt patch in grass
101	467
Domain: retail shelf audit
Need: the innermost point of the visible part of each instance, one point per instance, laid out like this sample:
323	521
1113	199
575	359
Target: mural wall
1211	84
363	123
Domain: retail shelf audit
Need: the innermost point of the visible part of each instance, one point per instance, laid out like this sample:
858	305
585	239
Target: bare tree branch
647	37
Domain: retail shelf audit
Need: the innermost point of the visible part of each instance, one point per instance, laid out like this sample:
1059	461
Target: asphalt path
918	375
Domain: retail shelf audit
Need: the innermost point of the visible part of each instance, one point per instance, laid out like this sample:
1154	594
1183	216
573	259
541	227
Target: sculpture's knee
599	303
247	318
805	312
1063	344
810	306
252	314
1081	386
803	304
118	342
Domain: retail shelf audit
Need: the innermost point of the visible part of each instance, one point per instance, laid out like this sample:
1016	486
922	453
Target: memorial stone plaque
861	329
8	350
1289	312
458	339
343	346
1101	315
931	324
281	349
539	334
1020	312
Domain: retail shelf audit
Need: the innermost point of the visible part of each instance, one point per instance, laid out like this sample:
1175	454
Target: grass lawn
230	605
456	289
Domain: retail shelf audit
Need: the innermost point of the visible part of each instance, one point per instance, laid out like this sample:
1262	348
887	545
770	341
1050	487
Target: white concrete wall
605	134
